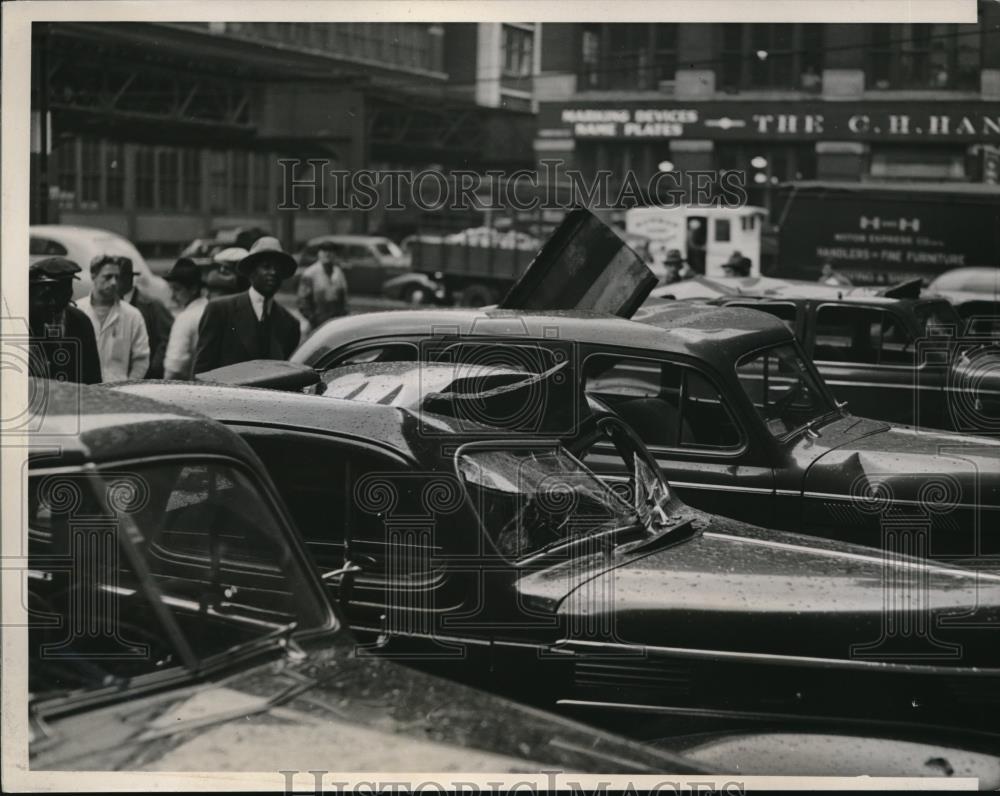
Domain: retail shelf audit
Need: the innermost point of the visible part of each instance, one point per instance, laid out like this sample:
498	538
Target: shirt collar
127	298
258	301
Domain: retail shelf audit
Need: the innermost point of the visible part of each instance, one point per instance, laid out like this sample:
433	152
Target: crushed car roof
696	330
74	424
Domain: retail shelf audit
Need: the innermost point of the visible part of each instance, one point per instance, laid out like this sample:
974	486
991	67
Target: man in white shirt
185	290
122	341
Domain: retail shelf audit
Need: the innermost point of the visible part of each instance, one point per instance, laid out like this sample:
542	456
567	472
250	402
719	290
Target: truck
885	233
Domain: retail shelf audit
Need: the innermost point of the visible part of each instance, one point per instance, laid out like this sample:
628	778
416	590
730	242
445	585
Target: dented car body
740	421
500	556
209	643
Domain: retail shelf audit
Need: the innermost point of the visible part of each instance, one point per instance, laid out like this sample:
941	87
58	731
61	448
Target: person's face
672	270
47	299
265	278
326	256
106	281
125	280
827	269
182	295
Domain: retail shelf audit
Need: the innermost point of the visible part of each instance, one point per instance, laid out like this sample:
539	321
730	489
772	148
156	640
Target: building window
590	56
516	51
114	174
922	56
240	181
218	182
66	171
190	180
90	170
145	177
765	55
632	57
919	163
261	183
168	179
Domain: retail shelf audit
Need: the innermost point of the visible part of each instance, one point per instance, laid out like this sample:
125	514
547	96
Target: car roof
73	231
73	424
812	291
697	330
348	239
257	405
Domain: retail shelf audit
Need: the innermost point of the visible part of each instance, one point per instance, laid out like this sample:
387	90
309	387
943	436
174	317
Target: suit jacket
158	322
228	333
73	356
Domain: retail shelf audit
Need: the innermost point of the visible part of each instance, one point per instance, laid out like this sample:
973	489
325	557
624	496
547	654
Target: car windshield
786	392
134	568
533	499
388	249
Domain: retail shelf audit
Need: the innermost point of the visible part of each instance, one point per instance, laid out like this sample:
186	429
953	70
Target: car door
866	355
356	504
690	427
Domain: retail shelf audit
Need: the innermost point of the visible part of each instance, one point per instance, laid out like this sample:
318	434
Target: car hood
334	711
932	475
738	588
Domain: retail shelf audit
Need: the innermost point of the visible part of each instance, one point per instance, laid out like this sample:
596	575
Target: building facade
165	132
778	101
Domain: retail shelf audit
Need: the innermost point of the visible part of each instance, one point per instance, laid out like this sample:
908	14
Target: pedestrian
828	276
673	262
122	341
63	345
157	317
322	292
737	265
186	291
250	324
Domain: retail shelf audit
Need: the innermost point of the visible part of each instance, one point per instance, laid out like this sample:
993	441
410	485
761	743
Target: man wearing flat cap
251	324
63	343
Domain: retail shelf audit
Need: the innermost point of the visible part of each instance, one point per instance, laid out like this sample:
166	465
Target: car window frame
885	311
690	452
334	359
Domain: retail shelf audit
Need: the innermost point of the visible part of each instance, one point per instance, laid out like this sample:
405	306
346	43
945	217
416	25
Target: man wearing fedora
737	265
672	264
250	324
185	290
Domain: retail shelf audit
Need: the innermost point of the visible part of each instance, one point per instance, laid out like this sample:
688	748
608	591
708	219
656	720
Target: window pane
191	181
168	179
847	334
145	177
241	181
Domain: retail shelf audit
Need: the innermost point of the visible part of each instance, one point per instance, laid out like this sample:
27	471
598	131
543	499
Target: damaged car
176	623
495	553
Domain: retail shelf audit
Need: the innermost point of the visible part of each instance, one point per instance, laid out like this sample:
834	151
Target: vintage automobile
366	260
496	554
902	359
177	623
738	418
974	292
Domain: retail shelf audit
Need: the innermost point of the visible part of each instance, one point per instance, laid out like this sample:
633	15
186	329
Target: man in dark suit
251	324
63	344
157	317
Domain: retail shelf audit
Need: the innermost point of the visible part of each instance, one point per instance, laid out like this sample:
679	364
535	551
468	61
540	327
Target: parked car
83	244
690	380
239	237
497	555
905	360
975	295
367	261
207	641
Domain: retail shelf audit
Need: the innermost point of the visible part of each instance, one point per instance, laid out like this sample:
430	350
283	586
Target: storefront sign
937	121
876	240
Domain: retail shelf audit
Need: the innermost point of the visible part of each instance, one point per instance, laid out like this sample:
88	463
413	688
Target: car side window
355	252
342	496
382	352
46	247
668	404
861	334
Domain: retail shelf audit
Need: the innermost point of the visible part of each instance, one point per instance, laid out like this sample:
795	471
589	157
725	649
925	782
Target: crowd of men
227	313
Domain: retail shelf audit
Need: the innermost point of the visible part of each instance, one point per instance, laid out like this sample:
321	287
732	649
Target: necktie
264	332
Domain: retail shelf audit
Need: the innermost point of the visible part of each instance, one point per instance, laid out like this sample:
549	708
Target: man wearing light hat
250	324
63	345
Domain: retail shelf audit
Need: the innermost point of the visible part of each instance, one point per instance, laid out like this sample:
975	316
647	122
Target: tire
478	295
